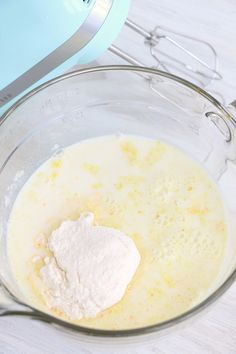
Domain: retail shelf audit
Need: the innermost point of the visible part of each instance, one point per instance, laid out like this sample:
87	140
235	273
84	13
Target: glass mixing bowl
109	100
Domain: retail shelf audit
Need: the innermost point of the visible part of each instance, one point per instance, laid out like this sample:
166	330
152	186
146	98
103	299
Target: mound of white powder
90	268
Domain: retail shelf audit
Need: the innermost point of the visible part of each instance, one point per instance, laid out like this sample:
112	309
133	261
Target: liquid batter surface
147	189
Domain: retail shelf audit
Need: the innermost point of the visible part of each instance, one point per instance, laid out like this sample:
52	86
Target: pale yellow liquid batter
152	192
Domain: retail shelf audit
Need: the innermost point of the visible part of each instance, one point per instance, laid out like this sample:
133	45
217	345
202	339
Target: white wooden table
215	332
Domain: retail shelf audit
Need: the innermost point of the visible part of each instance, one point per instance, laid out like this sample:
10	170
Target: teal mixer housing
42	39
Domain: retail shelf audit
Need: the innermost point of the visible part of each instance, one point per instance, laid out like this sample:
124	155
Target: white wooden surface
215	332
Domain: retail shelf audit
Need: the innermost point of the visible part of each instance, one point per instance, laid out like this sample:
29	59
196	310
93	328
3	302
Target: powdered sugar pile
90	267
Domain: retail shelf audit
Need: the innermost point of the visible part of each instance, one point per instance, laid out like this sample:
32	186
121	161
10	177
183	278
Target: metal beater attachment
177	53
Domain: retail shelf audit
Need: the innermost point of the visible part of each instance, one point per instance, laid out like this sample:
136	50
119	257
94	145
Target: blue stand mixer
46	38
43	39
